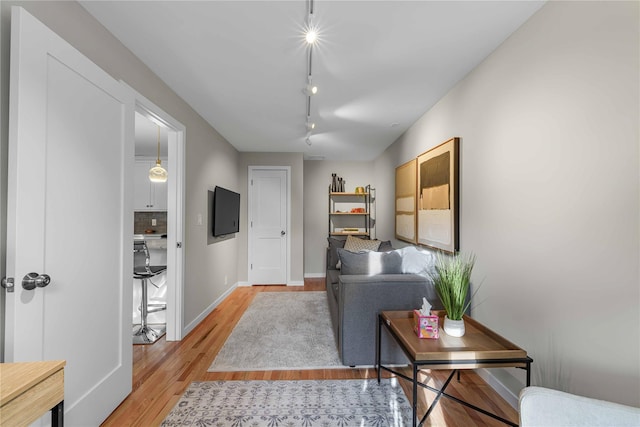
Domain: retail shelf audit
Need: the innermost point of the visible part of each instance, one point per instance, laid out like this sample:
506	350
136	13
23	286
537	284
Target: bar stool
144	334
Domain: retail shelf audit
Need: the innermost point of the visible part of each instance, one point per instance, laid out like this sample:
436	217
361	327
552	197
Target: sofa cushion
370	263
332	253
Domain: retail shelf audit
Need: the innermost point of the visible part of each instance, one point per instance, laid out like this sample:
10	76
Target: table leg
378	337
528	374
415	394
57	415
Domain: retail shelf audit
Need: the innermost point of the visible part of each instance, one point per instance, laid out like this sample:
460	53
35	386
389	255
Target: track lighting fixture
311	36
310	125
311	90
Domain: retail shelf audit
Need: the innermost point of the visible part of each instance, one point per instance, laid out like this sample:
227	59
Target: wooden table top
16	378
478	342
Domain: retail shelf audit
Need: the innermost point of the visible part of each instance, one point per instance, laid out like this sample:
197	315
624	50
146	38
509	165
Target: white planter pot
454	328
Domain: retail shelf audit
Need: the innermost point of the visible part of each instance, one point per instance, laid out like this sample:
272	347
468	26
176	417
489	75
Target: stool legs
145	334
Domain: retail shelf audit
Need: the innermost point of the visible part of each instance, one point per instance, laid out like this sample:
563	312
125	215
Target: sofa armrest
541	406
362	298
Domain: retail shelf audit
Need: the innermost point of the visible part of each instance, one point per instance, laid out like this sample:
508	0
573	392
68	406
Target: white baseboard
207	311
498	386
314	275
293	283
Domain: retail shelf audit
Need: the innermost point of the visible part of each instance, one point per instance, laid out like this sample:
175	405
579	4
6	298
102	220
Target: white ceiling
379	65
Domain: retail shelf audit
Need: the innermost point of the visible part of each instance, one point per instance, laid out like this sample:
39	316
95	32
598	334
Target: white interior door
268	222
70	216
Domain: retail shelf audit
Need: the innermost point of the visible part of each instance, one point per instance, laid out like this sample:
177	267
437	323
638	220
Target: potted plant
452	281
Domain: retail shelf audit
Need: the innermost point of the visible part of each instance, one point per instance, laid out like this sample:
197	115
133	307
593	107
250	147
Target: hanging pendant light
158	173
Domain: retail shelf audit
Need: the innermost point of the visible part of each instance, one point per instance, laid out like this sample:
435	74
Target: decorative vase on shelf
454	328
334	182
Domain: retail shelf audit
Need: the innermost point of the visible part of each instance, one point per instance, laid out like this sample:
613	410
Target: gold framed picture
406	202
438	214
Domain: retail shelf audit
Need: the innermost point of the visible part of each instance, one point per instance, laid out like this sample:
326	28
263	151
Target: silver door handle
33	280
282	233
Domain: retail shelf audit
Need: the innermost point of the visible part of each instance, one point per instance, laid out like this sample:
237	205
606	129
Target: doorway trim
175	211
250	202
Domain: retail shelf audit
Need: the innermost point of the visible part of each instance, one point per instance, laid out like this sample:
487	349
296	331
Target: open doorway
167	230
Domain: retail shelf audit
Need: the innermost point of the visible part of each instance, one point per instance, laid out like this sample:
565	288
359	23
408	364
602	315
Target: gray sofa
366	284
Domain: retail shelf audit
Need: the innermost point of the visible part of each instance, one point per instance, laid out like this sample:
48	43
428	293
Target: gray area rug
307	403
281	331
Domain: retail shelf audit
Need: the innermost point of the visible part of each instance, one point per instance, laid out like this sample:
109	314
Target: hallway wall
210	159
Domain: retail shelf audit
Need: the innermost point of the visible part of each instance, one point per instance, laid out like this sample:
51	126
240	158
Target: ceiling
378	65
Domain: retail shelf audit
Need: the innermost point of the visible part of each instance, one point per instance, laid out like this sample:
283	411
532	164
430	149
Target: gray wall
210	160
550	193
294	160
317	177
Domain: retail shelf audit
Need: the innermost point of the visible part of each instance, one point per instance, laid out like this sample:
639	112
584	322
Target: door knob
282	233
33	280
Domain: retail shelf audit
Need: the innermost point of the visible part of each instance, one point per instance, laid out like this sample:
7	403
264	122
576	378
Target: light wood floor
162	371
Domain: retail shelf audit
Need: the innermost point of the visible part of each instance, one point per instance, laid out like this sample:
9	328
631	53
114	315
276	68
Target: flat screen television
226	212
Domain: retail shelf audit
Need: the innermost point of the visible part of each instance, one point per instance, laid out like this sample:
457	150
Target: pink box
425	326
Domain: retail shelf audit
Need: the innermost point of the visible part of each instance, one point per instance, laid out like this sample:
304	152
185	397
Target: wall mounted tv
226	212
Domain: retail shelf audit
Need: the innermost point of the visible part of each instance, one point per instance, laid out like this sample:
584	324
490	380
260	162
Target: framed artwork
438	197
406	202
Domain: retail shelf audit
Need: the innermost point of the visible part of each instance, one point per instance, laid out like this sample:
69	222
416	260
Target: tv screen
226	212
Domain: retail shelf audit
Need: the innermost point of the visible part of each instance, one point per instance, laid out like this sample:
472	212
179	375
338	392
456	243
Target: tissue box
425	326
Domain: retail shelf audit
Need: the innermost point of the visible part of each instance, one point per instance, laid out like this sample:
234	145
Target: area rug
307	403
281	331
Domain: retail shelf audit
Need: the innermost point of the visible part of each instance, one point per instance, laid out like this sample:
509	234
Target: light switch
199	219
154	222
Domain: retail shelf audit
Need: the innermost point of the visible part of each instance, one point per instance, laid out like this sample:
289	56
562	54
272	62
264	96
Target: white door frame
175	211
250	202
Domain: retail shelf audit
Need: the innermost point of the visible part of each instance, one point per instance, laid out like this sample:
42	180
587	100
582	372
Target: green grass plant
452	280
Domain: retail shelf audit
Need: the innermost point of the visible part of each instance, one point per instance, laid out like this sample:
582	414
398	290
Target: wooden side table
480	347
29	389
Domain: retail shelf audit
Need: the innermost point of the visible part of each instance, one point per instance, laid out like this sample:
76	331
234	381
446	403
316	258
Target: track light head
308	141
311	36
310	125
310	89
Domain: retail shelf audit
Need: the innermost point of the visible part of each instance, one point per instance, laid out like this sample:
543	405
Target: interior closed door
69	217
268	222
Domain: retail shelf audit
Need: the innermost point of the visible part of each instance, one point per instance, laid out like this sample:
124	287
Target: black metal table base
418	365
57	415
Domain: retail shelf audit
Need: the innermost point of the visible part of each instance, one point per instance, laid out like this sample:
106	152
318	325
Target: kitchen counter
149	236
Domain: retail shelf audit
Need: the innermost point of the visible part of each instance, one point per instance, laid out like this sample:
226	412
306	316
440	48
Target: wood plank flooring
162	371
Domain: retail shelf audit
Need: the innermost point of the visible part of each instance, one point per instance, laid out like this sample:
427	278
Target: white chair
145	334
543	407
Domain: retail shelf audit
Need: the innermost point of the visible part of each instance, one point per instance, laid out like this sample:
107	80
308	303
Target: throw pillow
417	261
385	246
332	255
355	244
370	263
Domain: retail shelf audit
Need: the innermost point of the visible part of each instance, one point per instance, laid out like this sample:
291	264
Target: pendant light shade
158	173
